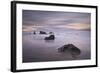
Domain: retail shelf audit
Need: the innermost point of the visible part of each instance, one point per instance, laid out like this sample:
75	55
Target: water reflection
49	41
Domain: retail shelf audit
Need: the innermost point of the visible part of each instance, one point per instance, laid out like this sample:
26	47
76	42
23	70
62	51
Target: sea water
36	49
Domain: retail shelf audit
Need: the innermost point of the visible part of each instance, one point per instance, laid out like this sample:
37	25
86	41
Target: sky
33	19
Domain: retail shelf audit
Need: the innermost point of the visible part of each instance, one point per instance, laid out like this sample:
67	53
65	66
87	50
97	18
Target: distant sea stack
42	32
71	48
34	32
50	32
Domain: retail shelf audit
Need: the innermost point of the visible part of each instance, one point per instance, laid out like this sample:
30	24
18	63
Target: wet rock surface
51	37
75	51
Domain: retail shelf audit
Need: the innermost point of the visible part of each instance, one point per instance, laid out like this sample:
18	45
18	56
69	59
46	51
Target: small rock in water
34	32
51	37
71	48
42	32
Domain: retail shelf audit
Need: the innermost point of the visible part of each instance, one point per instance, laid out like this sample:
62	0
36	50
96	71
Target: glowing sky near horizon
33	19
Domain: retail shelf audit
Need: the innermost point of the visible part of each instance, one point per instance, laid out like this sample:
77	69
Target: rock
50	32
34	32
51	37
71	48
42	32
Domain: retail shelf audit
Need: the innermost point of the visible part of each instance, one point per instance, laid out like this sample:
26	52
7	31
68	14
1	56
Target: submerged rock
71	48
50	32
42	32
51	37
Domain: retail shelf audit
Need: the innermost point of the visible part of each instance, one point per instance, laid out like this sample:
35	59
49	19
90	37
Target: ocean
36	49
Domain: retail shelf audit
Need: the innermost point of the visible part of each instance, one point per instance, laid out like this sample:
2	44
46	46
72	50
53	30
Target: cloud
29	28
76	26
72	20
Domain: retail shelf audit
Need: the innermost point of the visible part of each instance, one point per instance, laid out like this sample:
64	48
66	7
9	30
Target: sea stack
42	32
34	32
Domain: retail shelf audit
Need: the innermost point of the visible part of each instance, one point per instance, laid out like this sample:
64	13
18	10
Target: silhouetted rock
34	32
42	32
50	32
71	48
51	37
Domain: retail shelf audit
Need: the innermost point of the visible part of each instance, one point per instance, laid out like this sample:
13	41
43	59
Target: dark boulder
51	37
42	32
34	32
71	48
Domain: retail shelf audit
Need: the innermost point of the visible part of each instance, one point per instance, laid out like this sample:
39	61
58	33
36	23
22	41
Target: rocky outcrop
42	32
71	48
51	37
34	32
